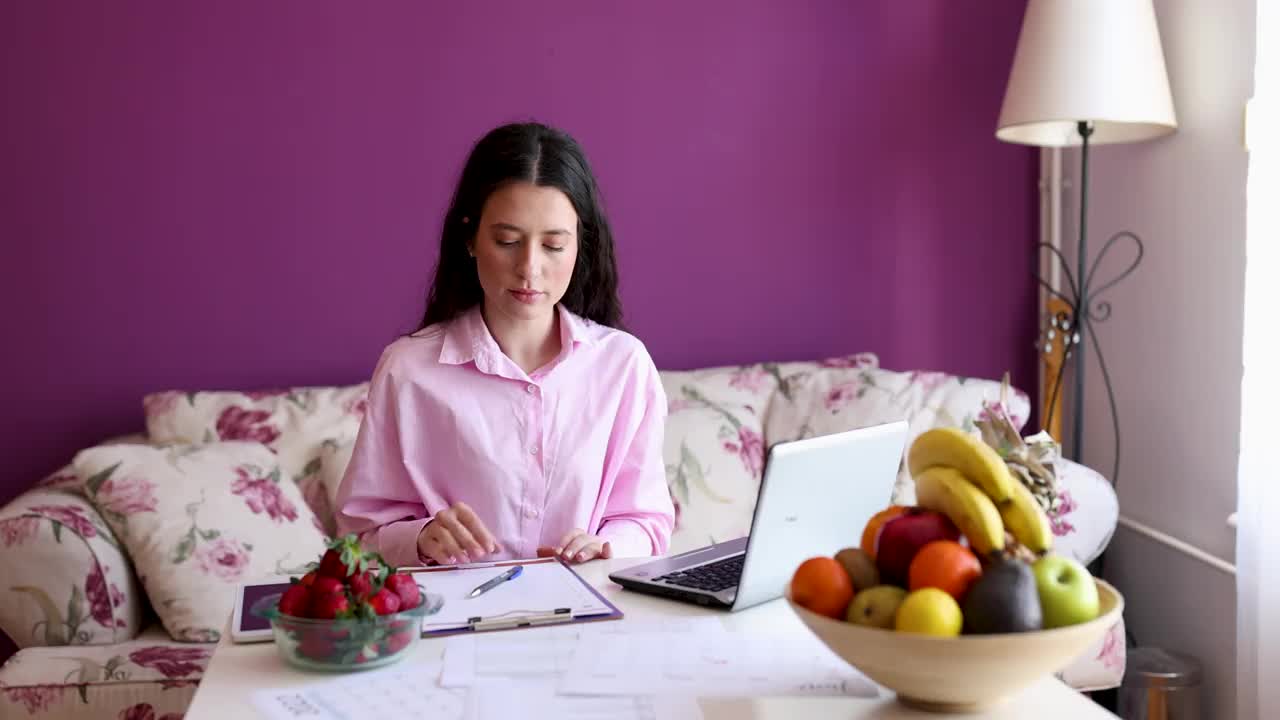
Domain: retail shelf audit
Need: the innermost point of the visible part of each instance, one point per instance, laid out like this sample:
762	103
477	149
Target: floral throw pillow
311	429
714	450
197	520
829	397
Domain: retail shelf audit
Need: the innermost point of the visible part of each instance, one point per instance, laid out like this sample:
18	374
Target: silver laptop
815	497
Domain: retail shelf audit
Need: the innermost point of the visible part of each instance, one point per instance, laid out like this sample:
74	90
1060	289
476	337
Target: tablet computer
245	626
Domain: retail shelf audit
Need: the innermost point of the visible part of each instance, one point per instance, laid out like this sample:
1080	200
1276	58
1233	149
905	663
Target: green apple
929	611
876	606
1068	594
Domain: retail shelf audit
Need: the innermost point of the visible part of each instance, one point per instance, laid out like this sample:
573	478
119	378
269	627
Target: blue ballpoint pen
488	585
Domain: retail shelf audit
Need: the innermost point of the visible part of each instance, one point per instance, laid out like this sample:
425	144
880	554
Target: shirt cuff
398	542
627	538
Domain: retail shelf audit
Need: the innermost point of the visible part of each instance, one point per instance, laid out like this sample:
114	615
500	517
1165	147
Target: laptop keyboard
712	577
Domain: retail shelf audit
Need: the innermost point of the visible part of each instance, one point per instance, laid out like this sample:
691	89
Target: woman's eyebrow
520	230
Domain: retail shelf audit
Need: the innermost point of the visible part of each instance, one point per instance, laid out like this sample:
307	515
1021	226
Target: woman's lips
527	297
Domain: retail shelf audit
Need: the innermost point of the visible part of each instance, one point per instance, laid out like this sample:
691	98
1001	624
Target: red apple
902	536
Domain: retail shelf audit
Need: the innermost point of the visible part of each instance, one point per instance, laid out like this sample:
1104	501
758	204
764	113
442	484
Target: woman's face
525	246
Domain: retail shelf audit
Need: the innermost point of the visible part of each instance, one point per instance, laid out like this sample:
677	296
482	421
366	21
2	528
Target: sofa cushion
150	677
831	396
713	448
197	520
64	577
312	429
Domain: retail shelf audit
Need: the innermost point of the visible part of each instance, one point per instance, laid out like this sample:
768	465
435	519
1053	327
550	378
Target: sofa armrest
1101	667
1085	516
66	578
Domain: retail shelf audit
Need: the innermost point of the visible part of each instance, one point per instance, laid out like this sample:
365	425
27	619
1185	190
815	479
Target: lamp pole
1081	310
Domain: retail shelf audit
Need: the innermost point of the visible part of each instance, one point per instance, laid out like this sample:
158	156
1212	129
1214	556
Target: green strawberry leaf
57	530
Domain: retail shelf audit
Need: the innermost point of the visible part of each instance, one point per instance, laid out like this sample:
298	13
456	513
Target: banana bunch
965	479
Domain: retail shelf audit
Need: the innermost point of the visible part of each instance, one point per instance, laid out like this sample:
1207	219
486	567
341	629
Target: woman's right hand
454	535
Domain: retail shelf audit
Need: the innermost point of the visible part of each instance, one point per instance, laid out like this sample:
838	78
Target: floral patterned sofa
116	572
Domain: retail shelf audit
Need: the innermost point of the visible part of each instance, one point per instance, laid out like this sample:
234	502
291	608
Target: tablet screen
252	593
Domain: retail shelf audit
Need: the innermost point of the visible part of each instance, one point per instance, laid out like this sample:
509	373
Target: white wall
1173	344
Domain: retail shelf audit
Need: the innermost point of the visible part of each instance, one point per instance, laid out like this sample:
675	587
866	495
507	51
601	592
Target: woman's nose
527	264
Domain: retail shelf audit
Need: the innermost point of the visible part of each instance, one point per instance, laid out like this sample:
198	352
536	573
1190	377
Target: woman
518	420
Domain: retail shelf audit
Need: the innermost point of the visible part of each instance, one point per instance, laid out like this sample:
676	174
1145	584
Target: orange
877	521
821	584
946	565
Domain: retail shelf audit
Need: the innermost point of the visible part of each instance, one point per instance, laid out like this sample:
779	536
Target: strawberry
403	584
325	585
331	565
385	602
329	606
296	600
361	585
396	642
308	578
316	647
343	559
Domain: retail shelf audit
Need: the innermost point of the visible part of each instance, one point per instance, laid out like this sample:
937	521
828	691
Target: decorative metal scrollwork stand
1084	310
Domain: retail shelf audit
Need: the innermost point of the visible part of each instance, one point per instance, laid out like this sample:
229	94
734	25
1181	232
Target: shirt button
531	514
531	389
533	450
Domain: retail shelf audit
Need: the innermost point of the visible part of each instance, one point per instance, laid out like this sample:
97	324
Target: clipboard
547	592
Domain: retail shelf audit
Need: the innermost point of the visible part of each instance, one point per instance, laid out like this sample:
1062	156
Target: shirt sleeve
638	514
377	499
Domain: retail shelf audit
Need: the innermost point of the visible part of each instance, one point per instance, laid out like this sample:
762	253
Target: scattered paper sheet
545	652
402	690
537	700
729	665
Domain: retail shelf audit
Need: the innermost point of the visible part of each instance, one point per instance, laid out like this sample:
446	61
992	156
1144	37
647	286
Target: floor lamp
1086	72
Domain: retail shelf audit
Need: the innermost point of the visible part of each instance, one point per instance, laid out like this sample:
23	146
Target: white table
236	670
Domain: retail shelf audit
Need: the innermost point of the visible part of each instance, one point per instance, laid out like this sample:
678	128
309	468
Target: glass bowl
346	644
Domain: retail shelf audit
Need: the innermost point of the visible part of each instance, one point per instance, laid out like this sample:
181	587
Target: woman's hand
454	535
579	546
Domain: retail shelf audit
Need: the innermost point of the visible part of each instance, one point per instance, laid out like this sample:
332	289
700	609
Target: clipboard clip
510	620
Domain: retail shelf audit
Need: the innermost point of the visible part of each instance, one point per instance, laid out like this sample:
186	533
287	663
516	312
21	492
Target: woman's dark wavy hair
544	156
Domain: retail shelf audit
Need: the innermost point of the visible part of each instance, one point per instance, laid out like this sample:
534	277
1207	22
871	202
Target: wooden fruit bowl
966	673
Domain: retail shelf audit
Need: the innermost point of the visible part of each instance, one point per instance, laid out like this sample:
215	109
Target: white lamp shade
1093	60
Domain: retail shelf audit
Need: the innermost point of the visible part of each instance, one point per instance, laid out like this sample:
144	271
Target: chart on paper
546	651
402	691
535	700
730	665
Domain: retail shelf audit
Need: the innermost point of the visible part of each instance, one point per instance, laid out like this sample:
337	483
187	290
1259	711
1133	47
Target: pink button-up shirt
452	419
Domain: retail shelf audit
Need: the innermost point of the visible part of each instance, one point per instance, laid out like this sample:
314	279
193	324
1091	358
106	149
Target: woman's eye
507	243
554	248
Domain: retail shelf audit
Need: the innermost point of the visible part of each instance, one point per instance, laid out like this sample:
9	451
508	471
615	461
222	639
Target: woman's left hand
579	546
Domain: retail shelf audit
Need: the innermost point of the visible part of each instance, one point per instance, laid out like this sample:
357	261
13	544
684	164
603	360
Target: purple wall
244	194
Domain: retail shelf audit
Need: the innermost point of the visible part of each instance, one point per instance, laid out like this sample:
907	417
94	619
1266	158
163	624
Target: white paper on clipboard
546	592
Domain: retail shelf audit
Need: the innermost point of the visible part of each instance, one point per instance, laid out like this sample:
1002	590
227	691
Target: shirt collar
468	339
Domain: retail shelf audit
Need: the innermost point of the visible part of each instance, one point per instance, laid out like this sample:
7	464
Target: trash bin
1160	685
